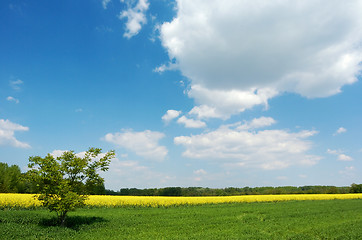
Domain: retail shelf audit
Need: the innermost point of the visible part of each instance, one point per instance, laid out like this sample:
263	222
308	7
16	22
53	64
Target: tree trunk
61	218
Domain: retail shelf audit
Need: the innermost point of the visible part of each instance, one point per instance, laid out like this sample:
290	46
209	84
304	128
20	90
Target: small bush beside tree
64	182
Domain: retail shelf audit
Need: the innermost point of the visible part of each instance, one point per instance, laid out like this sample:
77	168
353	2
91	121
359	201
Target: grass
324	219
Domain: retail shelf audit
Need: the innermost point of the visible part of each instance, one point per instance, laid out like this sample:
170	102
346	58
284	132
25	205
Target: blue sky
188	93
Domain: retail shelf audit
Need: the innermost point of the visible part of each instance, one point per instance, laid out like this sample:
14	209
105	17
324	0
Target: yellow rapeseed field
9	200
13	200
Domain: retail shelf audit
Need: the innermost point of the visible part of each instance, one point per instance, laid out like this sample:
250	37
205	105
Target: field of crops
324	219
27	200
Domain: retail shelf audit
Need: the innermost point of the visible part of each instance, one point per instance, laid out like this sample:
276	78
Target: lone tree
64	183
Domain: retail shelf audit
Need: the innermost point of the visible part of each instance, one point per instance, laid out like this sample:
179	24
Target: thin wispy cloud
12	99
105	3
16	84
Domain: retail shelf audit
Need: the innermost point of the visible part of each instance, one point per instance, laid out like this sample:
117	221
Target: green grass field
331	219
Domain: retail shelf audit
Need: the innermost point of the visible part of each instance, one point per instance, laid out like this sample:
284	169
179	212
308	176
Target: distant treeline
12	180
232	191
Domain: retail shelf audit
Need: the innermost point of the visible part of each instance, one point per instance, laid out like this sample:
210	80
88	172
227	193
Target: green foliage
10	179
356	188
171	191
64	182
332	219
230	191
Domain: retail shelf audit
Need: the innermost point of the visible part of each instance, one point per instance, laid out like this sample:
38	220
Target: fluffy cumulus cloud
238	145
144	143
57	153
170	115
344	157
340	155
191	123
257	123
224	103
135	17
340	130
245	52
7	130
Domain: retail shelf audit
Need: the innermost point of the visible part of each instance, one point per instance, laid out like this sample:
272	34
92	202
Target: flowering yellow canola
9	200
12	200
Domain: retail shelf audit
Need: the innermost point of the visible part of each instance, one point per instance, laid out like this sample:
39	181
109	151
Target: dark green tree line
11	179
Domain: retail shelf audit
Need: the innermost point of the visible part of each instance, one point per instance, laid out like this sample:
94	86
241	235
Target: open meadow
310	219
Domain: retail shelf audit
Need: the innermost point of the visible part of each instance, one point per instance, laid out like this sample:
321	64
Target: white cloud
239	48
343	157
200	172
105	3
340	155
170	115
224	103
340	130
12	99
199	175
163	67
15	84
191	123
135	17
57	153
267	149
205	112
330	151
257	123
349	172
7	129
144	143
130	174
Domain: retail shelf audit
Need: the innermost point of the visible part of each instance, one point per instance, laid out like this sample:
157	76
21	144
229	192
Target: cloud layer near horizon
254	50
242	145
144	143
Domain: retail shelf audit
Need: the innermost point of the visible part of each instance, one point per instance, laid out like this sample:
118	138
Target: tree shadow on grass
72	222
